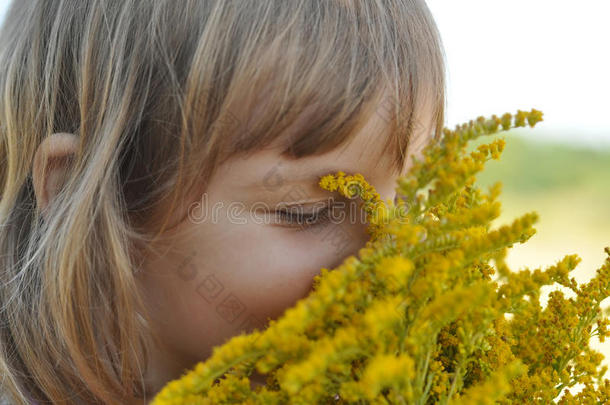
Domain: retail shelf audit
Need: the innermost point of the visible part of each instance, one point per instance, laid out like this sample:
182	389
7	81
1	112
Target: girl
159	169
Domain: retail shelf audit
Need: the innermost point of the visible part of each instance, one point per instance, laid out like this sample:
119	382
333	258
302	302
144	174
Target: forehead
267	170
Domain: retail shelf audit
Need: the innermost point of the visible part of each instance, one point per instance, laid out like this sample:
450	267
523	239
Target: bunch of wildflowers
429	311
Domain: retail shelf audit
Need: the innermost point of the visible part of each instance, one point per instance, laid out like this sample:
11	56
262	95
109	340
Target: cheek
233	277
269	268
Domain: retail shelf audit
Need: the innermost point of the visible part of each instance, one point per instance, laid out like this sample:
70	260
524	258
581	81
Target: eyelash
303	219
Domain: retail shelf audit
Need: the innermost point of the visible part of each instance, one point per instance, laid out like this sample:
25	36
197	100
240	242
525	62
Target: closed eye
296	216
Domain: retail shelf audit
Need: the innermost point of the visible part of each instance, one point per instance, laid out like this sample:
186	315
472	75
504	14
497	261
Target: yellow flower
416	316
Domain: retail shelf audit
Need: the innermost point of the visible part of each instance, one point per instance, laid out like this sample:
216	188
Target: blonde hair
148	88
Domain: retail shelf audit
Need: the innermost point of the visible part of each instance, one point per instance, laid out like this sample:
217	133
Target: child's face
229	266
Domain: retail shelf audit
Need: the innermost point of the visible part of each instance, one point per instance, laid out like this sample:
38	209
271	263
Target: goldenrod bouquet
429	311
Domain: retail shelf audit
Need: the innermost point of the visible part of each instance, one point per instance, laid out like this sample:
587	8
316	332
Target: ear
50	166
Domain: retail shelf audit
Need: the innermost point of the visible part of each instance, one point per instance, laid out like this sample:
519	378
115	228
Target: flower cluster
428	311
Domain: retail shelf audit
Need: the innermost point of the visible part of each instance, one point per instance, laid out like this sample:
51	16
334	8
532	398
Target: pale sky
504	55
552	55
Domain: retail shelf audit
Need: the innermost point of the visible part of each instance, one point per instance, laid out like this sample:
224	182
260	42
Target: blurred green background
569	186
